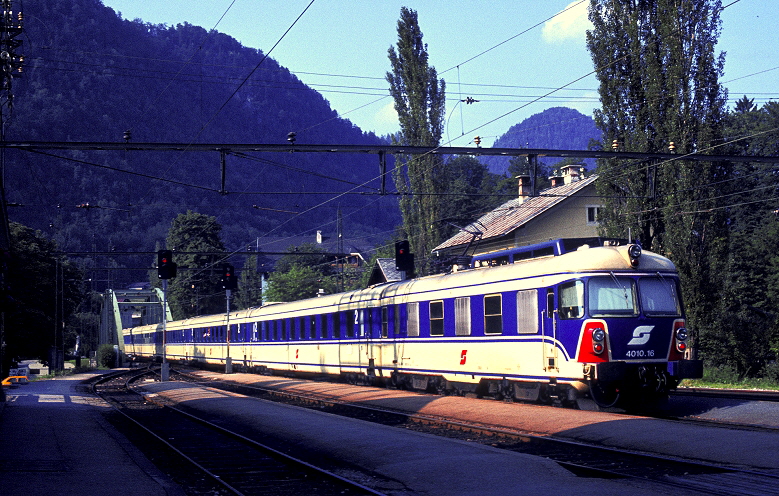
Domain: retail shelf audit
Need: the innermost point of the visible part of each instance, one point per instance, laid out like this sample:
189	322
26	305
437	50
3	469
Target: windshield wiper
670	284
619	285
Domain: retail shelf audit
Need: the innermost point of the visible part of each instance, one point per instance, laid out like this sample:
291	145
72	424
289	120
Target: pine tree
194	238
420	103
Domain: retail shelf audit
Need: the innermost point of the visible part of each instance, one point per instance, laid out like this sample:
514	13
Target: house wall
565	220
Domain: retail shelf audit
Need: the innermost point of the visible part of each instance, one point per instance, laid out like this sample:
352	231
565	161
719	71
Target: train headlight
634	252
681	339
598	335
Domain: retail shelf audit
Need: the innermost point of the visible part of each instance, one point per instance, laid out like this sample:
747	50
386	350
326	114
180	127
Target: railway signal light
404	259
229	279
166	267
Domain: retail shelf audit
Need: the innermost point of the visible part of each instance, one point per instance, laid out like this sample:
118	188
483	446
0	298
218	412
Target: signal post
229	282
166	269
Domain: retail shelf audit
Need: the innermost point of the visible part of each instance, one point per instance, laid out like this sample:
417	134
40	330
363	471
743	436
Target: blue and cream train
604	322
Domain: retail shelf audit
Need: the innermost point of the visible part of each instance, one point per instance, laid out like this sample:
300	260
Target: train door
398	335
549	333
369	340
350	343
384	344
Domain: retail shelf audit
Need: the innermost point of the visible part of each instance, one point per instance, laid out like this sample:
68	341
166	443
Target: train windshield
659	296
612	296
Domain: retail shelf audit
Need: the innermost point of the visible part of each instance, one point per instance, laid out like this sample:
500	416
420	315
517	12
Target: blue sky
339	48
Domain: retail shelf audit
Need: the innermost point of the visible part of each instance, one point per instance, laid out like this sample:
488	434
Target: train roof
597	259
586	260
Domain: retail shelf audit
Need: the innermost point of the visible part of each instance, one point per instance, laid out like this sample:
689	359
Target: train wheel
438	386
505	392
544	395
604	395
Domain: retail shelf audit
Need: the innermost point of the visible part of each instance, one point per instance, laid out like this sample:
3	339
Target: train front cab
627	332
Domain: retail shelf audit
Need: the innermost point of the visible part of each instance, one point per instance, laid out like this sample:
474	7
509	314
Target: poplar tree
659	90
420	103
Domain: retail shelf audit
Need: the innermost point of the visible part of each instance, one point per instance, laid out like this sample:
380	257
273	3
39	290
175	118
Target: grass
725	377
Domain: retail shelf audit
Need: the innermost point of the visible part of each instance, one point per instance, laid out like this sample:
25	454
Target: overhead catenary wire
733	2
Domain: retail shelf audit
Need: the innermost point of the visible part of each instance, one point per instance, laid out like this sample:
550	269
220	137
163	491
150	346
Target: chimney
525	188
572	173
557	180
319	237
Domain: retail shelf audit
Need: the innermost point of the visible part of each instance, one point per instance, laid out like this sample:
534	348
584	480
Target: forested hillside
555	128
91	76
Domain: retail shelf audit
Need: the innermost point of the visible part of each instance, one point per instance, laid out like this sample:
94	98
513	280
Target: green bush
106	356
772	372
721	374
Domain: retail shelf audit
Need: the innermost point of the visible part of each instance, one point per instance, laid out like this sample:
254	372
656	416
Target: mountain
90	75
555	128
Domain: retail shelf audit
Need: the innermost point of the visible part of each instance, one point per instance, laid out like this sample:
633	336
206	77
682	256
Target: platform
54	440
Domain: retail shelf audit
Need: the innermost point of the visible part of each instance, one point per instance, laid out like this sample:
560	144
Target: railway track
229	463
582	459
730	394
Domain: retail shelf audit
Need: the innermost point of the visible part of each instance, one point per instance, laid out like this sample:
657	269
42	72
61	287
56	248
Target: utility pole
340	249
229	282
10	66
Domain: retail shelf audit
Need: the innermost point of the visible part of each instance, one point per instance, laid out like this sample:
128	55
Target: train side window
437	318
337	325
323	326
572	300
549	303
462	316
527	311
350	318
412	324
493	314
312	326
384	322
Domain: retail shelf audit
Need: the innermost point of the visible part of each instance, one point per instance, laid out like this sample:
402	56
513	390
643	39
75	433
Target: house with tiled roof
569	209
384	271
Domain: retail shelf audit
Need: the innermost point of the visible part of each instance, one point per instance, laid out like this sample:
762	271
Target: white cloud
385	121
569	24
